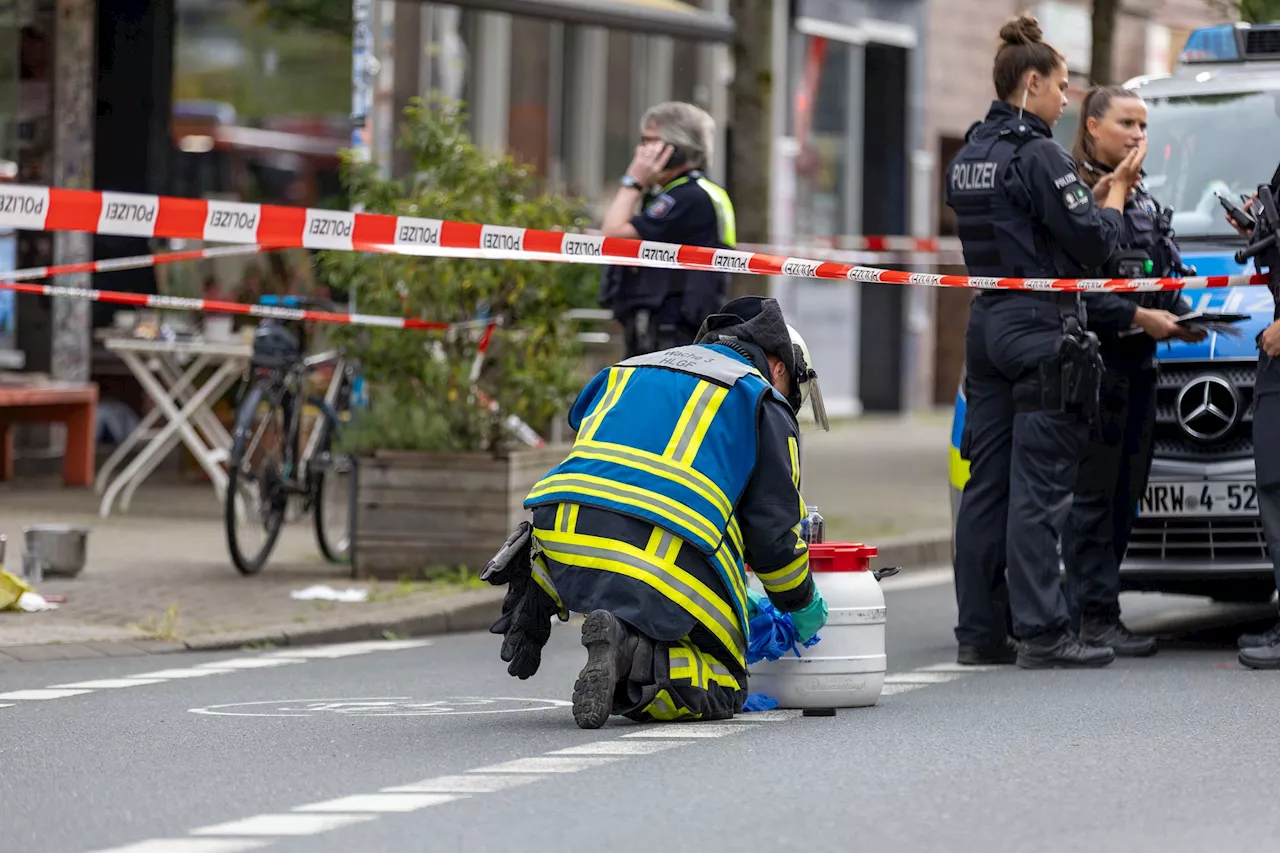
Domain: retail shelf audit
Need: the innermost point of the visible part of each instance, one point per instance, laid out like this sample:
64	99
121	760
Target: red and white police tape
273	226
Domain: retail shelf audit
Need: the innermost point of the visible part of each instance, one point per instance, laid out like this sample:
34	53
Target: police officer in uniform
685	465
1262	651
677	203
1032	369
1113	473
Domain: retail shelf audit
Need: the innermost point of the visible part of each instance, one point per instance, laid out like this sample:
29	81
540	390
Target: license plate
1201	497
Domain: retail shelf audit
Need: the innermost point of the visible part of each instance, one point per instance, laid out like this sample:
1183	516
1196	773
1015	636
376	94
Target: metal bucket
59	550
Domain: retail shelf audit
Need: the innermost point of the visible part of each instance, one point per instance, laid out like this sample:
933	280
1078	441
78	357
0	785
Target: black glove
511	566
530	628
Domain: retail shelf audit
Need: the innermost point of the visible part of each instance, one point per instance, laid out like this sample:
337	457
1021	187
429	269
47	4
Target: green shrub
419	385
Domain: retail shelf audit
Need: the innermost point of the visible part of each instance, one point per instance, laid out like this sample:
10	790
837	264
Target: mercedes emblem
1207	407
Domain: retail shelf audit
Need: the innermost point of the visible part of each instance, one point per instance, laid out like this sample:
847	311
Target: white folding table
169	372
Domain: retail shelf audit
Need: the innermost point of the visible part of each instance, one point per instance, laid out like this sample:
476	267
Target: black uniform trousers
1112	478
1022	474
1266	452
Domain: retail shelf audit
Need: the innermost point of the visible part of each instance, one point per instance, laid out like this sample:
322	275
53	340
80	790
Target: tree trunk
749	138
1104	28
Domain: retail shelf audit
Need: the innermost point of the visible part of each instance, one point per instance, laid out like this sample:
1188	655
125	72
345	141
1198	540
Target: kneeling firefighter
685	468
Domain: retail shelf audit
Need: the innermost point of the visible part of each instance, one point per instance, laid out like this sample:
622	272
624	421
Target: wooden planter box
418	510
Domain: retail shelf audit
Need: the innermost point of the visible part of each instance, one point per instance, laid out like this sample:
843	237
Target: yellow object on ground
11	589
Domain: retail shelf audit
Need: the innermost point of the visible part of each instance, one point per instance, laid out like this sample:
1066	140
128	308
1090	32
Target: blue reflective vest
668	437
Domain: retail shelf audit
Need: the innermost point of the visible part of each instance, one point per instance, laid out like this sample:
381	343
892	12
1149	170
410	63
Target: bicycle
260	487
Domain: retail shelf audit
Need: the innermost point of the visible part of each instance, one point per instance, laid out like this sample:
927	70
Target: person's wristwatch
628	181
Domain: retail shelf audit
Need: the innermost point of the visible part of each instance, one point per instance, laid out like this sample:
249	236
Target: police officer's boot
610	647
1105	629
1061	649
1001	653
1261	651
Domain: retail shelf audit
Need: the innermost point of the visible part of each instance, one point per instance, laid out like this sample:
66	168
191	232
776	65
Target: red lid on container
841	556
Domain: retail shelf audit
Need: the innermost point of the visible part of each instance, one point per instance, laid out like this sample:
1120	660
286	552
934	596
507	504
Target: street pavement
428	745
159	578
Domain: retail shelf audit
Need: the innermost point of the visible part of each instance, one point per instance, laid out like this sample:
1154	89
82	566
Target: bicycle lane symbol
383	706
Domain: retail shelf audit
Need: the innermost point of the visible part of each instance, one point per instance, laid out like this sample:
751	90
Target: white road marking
918	677
894	689
32	695
342	650
181	673
381	803
6	704
545	764
619	747
777	715
283	824
249	663
189	845
917	580
111	683
691	730
958	667
467	784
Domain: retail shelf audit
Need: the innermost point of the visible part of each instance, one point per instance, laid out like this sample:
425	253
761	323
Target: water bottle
815	528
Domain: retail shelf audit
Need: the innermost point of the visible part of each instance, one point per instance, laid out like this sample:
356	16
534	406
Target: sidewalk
158	578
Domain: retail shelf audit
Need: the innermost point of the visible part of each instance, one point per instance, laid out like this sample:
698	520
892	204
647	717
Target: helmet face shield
805	381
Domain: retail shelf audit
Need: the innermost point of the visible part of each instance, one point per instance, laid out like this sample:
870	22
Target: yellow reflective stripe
705	418
663	545
959	469
735	534
794	449
542	577
737	584
652	463
663	708
571	522
673	582
616	384
720	675
788	577
683	663
586	484
725	215
692	408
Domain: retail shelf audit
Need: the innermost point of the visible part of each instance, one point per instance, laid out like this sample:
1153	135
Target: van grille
1171	442
1202	539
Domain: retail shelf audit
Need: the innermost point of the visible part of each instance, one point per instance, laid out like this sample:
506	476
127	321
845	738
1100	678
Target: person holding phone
665	196
1117	461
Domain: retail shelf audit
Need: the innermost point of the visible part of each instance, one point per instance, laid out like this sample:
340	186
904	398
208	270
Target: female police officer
1023	212
1113	473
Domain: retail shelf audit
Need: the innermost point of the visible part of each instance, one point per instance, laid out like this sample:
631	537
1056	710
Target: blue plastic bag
772	633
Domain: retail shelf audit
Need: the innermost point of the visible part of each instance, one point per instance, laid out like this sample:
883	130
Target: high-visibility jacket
670	438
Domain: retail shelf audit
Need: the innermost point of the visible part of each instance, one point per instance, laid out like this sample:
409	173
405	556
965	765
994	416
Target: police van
1213	126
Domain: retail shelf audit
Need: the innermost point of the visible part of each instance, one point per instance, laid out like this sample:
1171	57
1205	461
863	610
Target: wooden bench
72	403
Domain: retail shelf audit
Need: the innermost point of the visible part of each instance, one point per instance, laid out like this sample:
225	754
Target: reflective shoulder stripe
617	383
697	361
680	181
674	583
724	211
691	428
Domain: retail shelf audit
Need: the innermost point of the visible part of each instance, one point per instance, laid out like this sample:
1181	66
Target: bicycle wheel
256	491
332	491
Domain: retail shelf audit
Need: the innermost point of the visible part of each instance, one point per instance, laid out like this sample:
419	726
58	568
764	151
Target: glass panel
622	133
529	119
684	72
821	125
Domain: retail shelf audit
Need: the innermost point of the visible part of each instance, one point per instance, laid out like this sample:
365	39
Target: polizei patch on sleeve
1076	198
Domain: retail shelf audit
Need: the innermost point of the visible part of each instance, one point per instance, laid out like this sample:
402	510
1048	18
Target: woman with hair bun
1031	368
1113	474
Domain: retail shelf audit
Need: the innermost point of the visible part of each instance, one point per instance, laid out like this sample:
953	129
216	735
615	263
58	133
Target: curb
470	611
912	553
